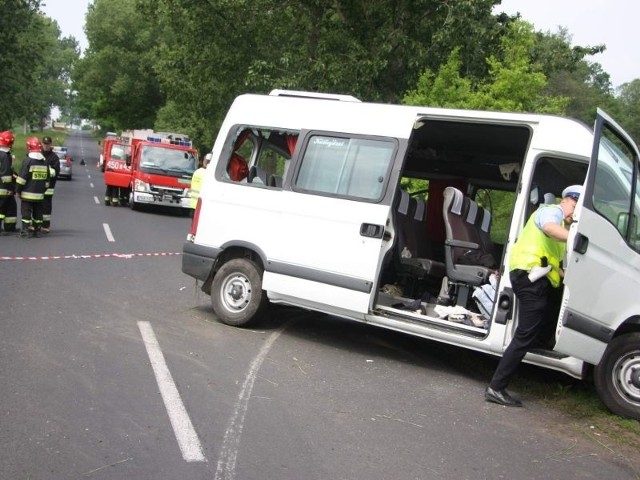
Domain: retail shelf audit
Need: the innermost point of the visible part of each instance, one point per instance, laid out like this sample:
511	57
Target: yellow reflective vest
534	244
196	186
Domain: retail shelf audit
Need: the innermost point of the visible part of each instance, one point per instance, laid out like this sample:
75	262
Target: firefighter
6	176
53	161
31	184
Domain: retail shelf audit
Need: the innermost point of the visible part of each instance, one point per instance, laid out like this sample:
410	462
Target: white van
404	217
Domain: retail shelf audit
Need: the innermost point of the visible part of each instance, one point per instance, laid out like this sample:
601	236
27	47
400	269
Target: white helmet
574	191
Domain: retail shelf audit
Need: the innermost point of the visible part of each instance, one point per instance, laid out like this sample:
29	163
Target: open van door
602	278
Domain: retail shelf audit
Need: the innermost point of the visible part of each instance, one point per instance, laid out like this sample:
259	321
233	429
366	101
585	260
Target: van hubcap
627	376
236	292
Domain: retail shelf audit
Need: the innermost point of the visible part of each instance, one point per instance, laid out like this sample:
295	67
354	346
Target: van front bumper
198	260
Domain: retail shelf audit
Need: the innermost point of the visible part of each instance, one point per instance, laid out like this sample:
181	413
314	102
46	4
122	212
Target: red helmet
6	139
34	144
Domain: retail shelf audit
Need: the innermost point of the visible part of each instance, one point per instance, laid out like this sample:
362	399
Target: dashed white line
108	233
182	427
91	183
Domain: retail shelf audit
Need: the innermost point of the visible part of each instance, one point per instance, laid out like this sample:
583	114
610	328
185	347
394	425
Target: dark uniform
53	161
11	207
31	184
6	181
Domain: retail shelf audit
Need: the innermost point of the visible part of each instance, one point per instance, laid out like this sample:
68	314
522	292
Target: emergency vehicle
159	166
375	213
117	174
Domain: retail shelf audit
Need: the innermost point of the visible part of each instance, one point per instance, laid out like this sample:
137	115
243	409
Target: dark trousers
31	212
3	208
535	314
47	207
10	211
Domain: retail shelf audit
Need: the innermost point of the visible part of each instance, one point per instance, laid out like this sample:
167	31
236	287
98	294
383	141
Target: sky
589	22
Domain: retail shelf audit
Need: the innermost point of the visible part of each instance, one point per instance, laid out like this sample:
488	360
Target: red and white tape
94	256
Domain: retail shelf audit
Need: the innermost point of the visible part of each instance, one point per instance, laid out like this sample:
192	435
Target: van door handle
580	243
371	230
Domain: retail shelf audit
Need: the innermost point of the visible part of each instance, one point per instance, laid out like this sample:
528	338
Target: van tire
237	297
617	376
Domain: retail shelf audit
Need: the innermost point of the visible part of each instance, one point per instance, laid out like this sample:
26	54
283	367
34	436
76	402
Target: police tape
125	256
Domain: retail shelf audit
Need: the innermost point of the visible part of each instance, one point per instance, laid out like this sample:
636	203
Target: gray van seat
467	239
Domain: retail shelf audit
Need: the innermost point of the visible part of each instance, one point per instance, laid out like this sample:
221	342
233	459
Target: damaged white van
404	218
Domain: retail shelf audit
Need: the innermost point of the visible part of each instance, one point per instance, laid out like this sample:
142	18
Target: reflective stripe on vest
534	244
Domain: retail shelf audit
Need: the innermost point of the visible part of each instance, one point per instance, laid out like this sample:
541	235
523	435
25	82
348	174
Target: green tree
115	81
629	96
514	82
18	19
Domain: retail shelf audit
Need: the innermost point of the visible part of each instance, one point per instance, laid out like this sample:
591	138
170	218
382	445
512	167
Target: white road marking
226	468
95	199
182	427
108	233
91	183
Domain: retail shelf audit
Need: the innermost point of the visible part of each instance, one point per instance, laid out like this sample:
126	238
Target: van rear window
351	167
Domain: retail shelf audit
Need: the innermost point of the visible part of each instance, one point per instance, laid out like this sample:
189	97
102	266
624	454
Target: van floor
423	312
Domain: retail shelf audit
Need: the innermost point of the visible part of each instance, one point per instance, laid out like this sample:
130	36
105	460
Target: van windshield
352	167
168	161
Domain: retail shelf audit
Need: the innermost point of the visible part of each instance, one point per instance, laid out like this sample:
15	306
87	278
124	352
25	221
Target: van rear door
602	278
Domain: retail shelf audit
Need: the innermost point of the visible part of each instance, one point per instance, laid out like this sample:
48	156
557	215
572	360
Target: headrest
403	206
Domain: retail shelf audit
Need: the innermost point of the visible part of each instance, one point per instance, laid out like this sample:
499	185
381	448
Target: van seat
467	240
412	244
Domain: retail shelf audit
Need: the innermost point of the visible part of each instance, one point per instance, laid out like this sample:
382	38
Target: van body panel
317	255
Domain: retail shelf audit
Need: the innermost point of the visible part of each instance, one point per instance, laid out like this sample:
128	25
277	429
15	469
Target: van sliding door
336	220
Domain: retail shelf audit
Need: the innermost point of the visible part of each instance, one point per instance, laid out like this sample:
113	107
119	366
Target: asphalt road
112	366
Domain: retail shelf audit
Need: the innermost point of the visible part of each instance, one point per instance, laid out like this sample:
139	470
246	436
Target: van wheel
617	377
236	293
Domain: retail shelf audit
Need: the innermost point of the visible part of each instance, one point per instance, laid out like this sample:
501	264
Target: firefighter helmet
6	139
34	144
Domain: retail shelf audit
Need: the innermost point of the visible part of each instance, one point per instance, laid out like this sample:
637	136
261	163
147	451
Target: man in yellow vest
534	270
196	183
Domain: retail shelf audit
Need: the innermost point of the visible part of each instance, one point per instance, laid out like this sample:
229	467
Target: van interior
452	215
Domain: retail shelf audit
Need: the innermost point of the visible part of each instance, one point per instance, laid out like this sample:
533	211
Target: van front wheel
617	377
236	293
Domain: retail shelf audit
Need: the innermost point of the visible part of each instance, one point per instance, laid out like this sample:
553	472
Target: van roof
553	133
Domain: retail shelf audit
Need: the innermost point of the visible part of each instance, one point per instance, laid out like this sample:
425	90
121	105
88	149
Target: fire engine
117	174
153	168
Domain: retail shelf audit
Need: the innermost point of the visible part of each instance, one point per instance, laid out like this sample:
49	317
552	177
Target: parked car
65	162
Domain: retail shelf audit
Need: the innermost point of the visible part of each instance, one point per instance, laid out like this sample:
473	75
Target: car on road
66	170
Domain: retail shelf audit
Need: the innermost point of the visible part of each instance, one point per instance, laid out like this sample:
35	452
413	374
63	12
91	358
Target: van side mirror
127	160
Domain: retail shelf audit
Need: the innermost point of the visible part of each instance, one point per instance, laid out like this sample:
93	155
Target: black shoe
23	234
501	397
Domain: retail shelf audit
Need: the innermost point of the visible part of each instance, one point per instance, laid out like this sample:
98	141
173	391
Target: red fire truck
117	174
151	168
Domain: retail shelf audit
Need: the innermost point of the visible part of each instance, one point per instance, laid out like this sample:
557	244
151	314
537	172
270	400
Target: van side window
265	154
351	167
614	183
